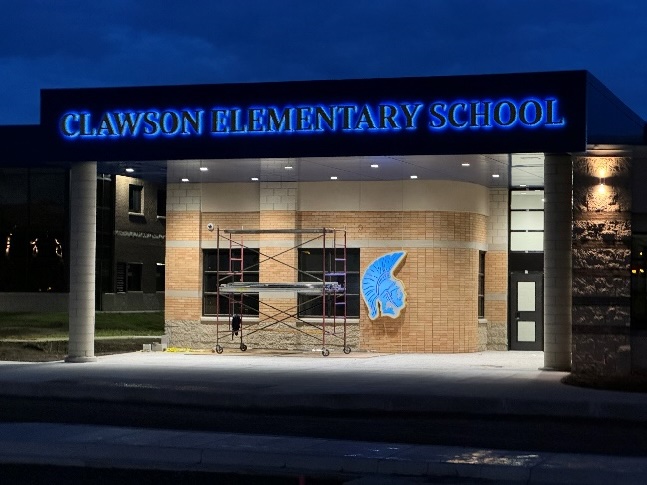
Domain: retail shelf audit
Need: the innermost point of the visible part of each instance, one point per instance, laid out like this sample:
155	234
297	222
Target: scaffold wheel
218	348
347	349
243	347
325	352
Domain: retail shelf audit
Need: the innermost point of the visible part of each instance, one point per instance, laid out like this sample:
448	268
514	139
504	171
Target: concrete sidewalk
505	383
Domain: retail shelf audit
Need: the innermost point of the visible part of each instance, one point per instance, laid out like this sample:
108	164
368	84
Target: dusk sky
79	43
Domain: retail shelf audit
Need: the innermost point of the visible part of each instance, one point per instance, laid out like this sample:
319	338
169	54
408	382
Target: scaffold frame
331	287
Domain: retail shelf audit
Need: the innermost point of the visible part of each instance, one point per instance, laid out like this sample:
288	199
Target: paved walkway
507	383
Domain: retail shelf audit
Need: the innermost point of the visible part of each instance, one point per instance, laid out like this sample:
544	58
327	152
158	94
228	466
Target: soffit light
465	164
204	169
495	175
184	179
374	165
334	177
255	179
130	170
413	176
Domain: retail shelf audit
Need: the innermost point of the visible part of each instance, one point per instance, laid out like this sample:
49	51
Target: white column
558	231
83	239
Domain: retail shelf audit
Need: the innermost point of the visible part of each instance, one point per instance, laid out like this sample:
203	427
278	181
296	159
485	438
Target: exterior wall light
602	177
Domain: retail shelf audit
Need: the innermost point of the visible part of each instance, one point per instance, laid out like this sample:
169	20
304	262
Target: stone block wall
601	265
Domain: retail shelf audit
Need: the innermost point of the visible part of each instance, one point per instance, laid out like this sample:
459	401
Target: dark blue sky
80	43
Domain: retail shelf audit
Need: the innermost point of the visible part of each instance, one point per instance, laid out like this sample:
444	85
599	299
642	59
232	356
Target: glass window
341	266
481	285
134	277
135	198
527	241
161	203
33	230
527	220
160	276
129	277
228	266
527	199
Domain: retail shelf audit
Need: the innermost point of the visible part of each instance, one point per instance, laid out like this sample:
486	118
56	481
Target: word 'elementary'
220	121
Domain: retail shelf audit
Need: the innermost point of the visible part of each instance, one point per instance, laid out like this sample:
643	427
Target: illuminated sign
457	115
382	292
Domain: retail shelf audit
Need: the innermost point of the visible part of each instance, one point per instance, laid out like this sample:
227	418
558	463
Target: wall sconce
602	179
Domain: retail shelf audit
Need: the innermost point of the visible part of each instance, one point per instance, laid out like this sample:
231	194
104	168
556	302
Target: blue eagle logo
382	292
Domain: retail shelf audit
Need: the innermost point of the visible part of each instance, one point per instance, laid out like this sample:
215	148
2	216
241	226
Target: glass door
527	311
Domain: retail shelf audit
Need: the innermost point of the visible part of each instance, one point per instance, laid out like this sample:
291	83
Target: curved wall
442	225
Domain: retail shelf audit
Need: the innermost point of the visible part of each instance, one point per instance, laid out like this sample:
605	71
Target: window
527	220
160	276
135	199
224	266
161	203
481	285
311	268
129	277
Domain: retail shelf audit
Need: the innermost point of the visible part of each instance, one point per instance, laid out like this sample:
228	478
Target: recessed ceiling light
204	169
374	165
523	185
495	175
465	164
413	176
333	178
288	167
184	179
255	179
130	170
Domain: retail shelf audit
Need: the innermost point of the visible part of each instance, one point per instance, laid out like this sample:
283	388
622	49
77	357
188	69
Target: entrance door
527	311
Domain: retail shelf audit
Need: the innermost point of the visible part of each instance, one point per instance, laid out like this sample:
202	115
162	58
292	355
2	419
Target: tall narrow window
160	276
134	276
161	203
481	285
135	199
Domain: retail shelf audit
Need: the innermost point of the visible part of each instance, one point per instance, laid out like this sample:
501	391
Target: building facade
450	214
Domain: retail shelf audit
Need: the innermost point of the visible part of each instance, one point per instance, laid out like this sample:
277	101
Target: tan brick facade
439	273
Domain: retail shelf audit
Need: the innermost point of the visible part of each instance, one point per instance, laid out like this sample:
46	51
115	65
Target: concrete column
558	220
83	239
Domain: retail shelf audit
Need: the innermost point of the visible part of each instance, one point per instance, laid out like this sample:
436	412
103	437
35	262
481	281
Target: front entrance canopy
550	112
534	112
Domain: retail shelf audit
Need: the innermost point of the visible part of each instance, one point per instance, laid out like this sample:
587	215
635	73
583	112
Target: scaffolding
330	287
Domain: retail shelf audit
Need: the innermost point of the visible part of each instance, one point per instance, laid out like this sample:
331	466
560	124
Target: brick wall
183	295
439	273
495	334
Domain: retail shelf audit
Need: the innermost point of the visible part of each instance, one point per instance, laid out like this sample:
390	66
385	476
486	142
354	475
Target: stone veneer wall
601	266
493	332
